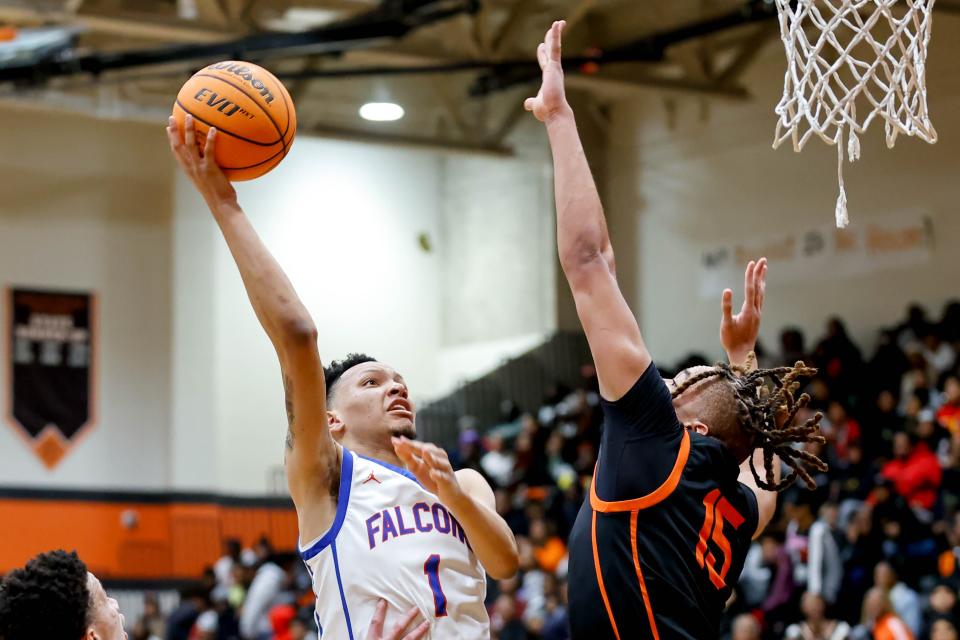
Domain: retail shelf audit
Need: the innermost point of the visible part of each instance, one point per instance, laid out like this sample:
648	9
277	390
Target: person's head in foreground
745	627
54	597
943	628
367	403
735	406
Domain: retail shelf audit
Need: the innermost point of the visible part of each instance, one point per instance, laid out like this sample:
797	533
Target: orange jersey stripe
658	495
603	589
643	584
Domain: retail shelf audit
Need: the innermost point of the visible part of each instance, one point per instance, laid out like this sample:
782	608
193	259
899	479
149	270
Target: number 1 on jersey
432	570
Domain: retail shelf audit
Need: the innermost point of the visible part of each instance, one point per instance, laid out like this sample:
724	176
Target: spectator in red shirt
914	471
843	431
949	414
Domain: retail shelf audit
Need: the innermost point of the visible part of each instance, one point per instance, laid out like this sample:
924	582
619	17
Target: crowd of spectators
874	552
248	594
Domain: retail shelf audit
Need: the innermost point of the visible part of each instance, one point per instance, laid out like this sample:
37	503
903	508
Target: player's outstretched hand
399	631
552	98
201	168
738	333
431	465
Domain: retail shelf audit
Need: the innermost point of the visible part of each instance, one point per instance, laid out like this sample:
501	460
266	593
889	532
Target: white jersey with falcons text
391	539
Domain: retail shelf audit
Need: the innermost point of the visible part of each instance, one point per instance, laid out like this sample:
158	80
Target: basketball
251	110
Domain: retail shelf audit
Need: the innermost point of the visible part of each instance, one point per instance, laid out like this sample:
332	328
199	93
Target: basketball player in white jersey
381	516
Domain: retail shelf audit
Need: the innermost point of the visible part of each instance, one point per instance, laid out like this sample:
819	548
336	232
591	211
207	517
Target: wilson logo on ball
246	74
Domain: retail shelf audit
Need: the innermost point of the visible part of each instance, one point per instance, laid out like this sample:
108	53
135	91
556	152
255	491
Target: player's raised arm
586	254
312	459
738	333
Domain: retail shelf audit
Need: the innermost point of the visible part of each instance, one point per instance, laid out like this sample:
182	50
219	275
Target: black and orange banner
52	378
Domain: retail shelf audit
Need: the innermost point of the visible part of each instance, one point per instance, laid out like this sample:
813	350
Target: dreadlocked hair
766	414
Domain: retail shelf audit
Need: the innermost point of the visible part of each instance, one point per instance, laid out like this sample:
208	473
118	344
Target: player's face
107	621
372	402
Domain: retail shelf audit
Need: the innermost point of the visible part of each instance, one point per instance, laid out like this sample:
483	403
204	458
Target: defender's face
107	621
372	401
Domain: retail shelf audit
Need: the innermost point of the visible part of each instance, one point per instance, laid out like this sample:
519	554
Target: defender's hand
738	333
431	466
399	629
552	98
201	168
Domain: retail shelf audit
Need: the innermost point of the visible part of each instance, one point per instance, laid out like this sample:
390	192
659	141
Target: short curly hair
337	368
48	598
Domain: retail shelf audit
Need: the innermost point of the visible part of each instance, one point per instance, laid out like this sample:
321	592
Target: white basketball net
871	52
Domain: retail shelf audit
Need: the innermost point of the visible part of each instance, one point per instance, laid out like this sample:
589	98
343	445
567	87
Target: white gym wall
85	205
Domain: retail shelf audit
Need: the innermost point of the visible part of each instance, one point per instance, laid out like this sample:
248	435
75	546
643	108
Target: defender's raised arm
586	254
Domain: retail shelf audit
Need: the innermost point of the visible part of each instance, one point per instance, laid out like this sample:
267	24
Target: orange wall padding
173	540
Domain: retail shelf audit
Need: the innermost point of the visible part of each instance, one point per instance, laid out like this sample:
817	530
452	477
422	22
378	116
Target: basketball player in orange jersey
677	495
380	516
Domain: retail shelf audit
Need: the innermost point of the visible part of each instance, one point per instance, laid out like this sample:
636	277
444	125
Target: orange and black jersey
661	540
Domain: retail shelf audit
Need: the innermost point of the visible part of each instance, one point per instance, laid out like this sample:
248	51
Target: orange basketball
251	110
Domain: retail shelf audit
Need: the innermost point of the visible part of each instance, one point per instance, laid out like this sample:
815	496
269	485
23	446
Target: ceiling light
381	111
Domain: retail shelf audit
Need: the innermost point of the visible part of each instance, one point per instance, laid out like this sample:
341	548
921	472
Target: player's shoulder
710	452
711	462
470	476
476	486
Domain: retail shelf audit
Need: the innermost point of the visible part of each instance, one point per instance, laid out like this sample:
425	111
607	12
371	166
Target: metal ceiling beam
750	48
519	12
579	11
144	27
651	48
393	20
616	88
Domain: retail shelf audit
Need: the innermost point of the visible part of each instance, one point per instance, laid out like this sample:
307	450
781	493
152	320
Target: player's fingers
762	288
758	271
726	304
529	103
554	41
438	458
376	624
404	444
436	475
190	135
419	632
211	144
413	463
748	288
173	133
542	55
402	450
179	149
404	622
406	455
415	448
